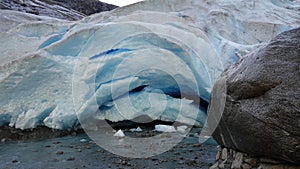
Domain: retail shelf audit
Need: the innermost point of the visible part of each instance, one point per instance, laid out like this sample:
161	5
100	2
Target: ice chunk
165	128
119	133
181	129
83	140
136	130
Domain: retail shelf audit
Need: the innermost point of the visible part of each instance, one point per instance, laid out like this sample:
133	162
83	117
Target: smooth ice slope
154	58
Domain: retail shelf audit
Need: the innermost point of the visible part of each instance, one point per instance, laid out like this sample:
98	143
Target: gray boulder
262	101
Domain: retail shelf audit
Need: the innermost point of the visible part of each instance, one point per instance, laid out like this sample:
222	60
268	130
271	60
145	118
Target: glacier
153	58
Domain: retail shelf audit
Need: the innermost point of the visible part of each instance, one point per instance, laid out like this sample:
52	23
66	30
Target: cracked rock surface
61	9
262	107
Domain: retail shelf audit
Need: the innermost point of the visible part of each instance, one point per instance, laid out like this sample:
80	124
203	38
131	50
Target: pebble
197	145
59	152
222	165
180	162
251	161
190	162
237	162
124	162
71	159
15	161
218	153
55	160
100	150
3	140
224	154
57	142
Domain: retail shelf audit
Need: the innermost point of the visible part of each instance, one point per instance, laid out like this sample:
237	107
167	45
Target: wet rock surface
82	152
61	9
262	107
9	134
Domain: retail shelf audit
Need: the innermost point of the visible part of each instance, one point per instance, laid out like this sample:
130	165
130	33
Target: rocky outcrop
61	9
228	158
86	7
262	108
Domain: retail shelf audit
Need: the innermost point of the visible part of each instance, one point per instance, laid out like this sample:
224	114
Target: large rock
262	107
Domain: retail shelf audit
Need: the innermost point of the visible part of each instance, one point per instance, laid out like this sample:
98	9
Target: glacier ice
165	128
154	58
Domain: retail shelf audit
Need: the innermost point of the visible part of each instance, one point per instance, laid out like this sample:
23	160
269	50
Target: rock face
86	7
262	107
61	9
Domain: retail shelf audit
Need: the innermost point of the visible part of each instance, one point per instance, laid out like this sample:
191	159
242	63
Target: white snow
119	133
128	62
